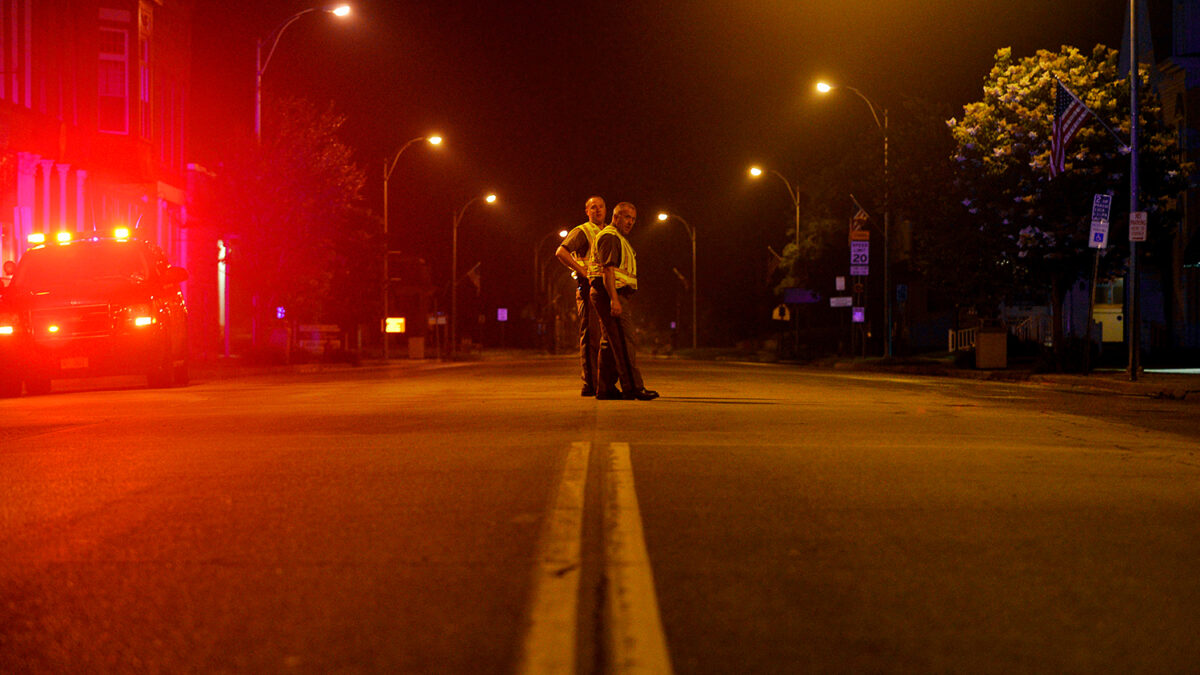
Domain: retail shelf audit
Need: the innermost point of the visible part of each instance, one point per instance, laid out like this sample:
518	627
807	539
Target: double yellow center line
635	640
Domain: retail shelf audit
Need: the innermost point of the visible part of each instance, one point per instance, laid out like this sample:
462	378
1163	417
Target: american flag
1069	114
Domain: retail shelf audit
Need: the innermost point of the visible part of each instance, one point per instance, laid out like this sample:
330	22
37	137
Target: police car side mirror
175	275
10	268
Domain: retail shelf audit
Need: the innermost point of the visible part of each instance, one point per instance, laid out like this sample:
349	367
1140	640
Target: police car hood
101	291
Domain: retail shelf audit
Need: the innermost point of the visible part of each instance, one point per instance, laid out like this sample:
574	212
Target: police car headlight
8	324
138	316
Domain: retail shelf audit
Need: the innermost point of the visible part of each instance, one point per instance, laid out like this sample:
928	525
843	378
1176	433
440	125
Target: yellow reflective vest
590	231
625	275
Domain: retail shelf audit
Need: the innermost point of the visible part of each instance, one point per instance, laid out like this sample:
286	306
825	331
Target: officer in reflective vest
612	273
573	253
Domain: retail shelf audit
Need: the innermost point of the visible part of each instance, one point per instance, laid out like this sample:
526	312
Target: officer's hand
615	307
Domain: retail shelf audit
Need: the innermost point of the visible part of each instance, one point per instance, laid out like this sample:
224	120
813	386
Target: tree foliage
1039	226
289	205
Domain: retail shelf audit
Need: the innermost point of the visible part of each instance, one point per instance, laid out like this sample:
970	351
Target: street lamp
793	193
388	168
538	267
825	88
692	234
260	64
458	215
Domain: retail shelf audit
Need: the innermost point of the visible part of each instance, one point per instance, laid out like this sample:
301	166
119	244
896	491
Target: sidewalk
1182	385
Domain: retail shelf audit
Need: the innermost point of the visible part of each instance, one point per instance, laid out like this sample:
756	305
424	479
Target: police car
80	307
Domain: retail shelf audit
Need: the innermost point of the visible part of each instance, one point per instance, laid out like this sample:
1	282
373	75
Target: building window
113	82
145	121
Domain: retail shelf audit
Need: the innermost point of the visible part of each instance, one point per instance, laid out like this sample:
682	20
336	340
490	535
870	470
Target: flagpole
1133	321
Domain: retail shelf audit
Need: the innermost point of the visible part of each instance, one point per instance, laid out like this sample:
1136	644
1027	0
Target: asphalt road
483	518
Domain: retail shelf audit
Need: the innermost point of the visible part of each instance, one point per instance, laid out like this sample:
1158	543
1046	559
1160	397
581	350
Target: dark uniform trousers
617	359
589	336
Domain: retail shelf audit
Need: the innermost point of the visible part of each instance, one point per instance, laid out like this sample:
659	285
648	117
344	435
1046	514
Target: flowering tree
1040	225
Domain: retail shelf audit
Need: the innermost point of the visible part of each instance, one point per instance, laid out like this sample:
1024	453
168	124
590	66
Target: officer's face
624	218
595	211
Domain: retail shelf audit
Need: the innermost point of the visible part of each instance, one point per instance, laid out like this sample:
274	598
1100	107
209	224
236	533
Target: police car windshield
80	261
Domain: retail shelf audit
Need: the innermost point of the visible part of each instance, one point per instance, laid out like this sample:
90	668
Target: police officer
612	273
573	253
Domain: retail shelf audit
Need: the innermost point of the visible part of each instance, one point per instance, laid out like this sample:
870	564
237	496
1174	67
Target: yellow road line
550	641
637	644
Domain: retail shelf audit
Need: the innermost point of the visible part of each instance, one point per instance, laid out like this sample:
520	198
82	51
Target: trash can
991	348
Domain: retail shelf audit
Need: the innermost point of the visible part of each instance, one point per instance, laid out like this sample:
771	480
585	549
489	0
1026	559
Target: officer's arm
564	256
610	285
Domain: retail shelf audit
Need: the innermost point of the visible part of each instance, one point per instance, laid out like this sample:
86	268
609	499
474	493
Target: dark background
664	104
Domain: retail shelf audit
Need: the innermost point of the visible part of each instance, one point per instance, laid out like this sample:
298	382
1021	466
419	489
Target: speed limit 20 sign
860	258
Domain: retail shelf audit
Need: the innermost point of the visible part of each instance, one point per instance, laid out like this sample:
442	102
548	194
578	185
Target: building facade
93	120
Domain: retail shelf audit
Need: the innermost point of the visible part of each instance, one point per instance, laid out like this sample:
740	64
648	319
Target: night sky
664	104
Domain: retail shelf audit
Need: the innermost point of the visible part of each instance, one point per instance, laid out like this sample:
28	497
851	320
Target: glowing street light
663	217
825	88
388	168
458	215
794	193
260	64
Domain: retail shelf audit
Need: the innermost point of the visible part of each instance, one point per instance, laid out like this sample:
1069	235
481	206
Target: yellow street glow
36	238
341	10
824	88
491	199
663	216
755	171
435	140
563	233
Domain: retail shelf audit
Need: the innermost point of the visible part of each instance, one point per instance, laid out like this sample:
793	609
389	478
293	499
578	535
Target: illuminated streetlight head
563	233
824	87
434	140
491	199
340	10
755	171
663	216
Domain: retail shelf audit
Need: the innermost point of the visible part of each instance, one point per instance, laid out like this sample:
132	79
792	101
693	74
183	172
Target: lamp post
458	215
794	193
825	88
260	64
538	267
388	168
692	234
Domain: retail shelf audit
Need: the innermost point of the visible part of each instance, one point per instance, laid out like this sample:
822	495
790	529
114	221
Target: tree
1039	226
289	204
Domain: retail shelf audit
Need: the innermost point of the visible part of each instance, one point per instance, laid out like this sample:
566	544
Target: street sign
859	270
860	253
841	301
839	283
501	314
393	324
800	296
860	235
859	314
1137	226
1101	206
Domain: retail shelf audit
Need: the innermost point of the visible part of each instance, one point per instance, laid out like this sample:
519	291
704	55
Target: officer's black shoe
587	391
643	395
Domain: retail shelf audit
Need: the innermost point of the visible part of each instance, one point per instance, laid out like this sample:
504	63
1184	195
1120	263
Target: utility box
416	347
991	348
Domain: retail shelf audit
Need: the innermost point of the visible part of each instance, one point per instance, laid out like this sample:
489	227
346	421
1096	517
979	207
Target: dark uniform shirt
608	252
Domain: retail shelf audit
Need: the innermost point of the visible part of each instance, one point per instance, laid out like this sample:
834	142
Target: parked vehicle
89	307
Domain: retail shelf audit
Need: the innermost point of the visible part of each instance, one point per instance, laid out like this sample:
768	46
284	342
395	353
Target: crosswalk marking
636	640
